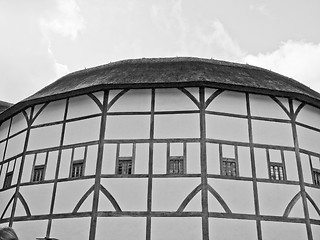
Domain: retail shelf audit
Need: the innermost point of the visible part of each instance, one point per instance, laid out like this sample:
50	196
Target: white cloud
298	60
261	8
67	20
219	44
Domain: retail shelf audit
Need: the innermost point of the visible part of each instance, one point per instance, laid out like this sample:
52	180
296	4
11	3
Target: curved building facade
179	148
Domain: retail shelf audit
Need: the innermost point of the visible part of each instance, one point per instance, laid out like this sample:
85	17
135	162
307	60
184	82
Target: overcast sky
42	40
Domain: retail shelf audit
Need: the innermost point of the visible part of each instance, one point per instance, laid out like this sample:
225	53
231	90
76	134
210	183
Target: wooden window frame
175	159
7	183
124	160
35	170
78	162
280	165
223	171
316	176
120	159
180	158
273	176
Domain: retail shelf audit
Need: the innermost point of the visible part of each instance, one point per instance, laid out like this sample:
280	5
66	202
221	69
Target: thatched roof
181	72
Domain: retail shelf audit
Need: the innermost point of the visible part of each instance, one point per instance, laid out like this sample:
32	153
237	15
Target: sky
43	40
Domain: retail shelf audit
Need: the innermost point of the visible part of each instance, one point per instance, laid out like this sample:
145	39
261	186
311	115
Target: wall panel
264	106
272	133
82	106
177	126
309	115
90	129
30	230
227	128
169	193
38	198
229	102
174	228
135	100
172	99
121	228
284	231
71	228
274	198
123	189
231	191
128	127
53	112
45	137
109	159
15	145
232	229
70	193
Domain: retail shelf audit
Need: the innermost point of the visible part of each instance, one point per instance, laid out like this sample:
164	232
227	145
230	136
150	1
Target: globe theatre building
177	148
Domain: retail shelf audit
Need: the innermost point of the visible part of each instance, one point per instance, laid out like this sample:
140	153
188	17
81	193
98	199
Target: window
124	166
276	171
176	165
229	167
8	180
316	177
38	173
77	169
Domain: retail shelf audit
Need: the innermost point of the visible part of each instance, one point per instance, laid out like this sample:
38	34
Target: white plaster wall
284	231
82	131
38	197
272	133
229	102
213	159
291	166
176	228
274	198
172	99
128	127
71	228
82	106
309	115
227	128
2	147
109	159
141	158
5	197
160	158
51	165
66	200
121	228
4	128
177	126
45	137
315	230
308	139
169	193
30	230
3	171
225	229
91	161
134	100
15	145
232	191
18	123
16	171
64	170
52	113
261	163
130	193
306	168
244	162
264	106
193	158
27	168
